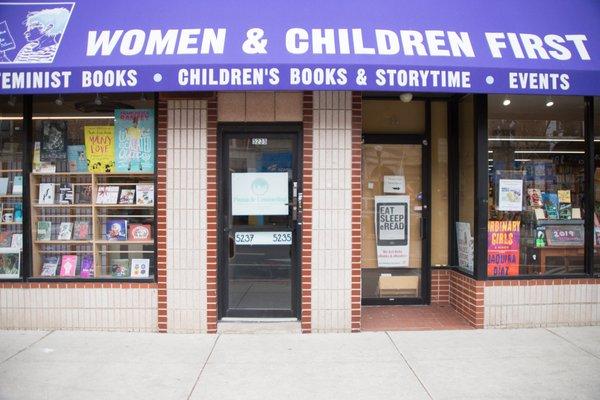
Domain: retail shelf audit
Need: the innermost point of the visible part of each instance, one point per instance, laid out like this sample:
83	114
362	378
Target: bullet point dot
157	77
489	80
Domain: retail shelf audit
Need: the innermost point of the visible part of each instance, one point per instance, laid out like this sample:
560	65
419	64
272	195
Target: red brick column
161	223
356	207
211	217
307	170
440	286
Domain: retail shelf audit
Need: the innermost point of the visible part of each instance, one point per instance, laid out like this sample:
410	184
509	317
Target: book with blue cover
551	204
76	158
116	229
134	140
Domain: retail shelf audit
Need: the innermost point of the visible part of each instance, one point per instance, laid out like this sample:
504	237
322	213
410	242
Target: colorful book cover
50	266
127	196
139	232
77	158
565	211
10	263
5	239
100	148
65	231
534	197
44	230
18	210
65	193
107	195
54	140
116	229
140	267
87	266
17	241
81	230
144	194
83	194
134	140
68	265
564	196
17	184
119	267
46	195
551	204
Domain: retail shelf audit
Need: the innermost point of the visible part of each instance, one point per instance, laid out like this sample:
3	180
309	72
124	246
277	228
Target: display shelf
123	242
10	171
11	223
11	196
37	205
545	222
63	242
124	206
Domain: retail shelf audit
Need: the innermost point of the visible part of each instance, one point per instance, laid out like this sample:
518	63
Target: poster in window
510	195
465	246
392	223
54	140
504	238
100	148
259	193
134	140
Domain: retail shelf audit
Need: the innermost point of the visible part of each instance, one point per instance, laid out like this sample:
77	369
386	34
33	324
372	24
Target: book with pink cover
68	265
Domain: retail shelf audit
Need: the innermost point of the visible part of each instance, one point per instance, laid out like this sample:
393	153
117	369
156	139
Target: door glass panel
260	237
392	231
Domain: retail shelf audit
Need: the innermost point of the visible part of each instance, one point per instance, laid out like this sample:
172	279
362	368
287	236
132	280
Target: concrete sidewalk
561	363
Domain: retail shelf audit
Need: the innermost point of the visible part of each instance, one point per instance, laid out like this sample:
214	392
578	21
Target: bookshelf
115	217
11	215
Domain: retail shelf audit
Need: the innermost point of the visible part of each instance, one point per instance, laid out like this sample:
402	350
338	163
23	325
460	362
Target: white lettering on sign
263	238
259	141
533	46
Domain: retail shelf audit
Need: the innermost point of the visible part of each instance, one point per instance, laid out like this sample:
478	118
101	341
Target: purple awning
469	46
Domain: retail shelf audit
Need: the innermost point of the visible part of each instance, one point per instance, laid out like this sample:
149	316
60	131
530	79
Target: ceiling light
506	102
12	100
59	100
549	101
406	97
98	100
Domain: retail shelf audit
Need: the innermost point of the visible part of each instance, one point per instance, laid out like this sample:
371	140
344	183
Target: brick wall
541	303
186	210
307	181
331	245
356	208
211	216
466	297
440	286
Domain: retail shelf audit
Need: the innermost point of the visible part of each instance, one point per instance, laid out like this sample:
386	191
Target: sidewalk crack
203	366
408	365
572	343
27	347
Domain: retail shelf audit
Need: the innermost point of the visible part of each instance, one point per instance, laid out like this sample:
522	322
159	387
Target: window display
597	185
536	152
92	187
465	226
12	140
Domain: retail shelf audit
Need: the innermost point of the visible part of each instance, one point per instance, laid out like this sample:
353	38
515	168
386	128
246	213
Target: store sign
565	235
503	248
259	193
263	238
457	46
395	184
392	228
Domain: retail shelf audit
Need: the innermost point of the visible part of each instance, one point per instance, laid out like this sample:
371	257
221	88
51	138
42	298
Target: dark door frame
424	140
225	131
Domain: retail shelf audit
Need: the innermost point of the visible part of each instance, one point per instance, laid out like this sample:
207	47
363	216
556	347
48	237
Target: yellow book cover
564	196
100	148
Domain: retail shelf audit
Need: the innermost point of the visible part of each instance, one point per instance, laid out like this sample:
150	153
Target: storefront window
439	183
466	193
536	185
11	187
597	185
92	187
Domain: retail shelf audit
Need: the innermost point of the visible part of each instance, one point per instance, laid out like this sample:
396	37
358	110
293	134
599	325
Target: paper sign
259	193
100	148
465	246
394	184
134	140
263	238
392	223
510	195
503	247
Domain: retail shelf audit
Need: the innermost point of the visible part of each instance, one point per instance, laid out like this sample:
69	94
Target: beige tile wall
116	309
332	222
541	306
186	215
260	106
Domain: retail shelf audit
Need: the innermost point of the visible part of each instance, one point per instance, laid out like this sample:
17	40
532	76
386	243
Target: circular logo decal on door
260	186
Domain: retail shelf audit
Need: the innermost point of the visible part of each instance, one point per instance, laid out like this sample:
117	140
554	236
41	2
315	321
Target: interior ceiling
534	107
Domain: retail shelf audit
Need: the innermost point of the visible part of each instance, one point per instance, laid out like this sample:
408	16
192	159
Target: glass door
260	212
395	212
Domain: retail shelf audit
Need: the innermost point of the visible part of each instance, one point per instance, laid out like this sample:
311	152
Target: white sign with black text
278	238
392	222
395	184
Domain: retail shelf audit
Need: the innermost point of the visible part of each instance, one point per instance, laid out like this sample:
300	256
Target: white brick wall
541	306
332	213
186	215
80	309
